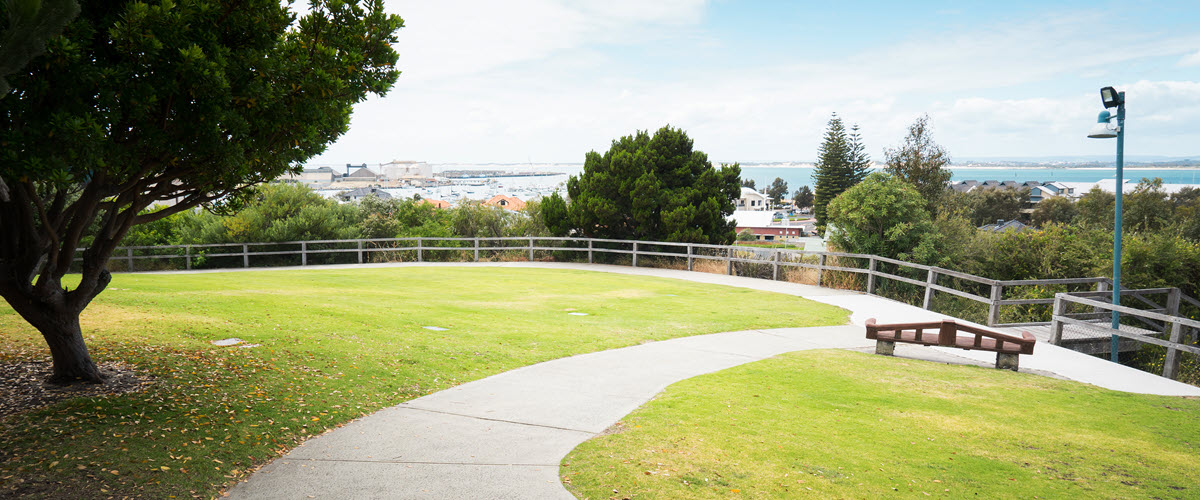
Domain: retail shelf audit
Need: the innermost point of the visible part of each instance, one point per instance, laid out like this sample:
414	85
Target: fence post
188	254
929	288
1101	286
1056	325
635	254
360	252
1173	298
729	261
129	252
821	268
1171	363
530	249
476	249
245	255
871	275
994	305
689	256
304	253
420	249
775	267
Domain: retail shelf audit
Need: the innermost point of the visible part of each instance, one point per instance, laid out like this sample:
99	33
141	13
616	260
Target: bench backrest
948	333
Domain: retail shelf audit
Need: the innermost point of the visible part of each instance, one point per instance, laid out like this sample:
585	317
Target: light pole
1101	130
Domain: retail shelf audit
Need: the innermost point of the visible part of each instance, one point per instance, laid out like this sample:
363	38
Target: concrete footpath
504	436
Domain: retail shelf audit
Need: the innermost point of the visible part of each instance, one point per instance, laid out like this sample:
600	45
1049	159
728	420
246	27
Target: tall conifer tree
842	162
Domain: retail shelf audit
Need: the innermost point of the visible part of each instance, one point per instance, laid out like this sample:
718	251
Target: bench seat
948	333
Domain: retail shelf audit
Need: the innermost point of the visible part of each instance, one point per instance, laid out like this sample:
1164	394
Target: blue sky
546	81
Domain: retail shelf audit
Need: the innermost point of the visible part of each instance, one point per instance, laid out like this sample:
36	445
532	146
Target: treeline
1147	208
886	216
288	212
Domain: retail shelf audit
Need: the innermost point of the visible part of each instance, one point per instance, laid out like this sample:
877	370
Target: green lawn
336	344
839	424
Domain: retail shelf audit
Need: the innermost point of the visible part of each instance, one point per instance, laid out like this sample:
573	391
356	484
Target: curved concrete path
504	436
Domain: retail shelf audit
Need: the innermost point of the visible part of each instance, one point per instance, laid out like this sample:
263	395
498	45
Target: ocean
531	187
802	176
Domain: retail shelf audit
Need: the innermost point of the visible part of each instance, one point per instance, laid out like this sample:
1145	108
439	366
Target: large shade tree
25	25
885	216
141	103
653	188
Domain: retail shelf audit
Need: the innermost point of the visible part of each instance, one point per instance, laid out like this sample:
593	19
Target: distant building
964	186
314	178
765	227
751	200
1003	227
355	195
436	203
1050	190
362	174
506	202
396	170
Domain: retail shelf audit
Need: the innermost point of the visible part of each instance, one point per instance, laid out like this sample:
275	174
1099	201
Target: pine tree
842	162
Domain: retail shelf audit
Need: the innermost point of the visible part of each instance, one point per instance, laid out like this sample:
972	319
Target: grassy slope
336	344
837	424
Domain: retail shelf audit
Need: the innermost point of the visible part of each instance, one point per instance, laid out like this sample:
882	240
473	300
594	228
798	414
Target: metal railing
1156	322
1093	318
928	279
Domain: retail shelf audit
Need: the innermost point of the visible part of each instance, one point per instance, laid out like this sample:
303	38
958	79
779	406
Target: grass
839	424
335	345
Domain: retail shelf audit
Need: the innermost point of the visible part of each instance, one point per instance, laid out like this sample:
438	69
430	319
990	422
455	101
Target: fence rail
1175	327
928	278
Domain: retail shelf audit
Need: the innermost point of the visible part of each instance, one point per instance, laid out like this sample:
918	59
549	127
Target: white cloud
534	79
1192	59
463	37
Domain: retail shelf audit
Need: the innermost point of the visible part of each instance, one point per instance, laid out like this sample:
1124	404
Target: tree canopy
884	216
778	190
842	162
803	197
137	104
986	206
653	188
921	162
27	26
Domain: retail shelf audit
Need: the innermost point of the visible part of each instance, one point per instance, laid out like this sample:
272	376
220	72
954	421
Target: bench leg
885	347
1007	361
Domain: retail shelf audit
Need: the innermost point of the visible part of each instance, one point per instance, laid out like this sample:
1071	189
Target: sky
546	81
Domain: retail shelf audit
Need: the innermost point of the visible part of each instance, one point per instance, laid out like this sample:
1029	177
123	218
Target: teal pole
1116	291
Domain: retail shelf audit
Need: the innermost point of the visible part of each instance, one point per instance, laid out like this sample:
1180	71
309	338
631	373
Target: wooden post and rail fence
774	263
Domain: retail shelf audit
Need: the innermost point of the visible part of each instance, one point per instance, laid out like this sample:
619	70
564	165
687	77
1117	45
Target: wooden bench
946	333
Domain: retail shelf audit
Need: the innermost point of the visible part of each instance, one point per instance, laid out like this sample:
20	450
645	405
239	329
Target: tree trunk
72	362
59	326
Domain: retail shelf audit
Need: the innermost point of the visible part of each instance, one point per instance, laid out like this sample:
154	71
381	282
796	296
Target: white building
314	178
751	200
396	170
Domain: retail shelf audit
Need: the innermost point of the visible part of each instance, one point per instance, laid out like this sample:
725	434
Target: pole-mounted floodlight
1101	130
1111	98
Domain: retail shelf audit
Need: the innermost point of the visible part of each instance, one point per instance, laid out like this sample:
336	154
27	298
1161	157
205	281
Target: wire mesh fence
1153	336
